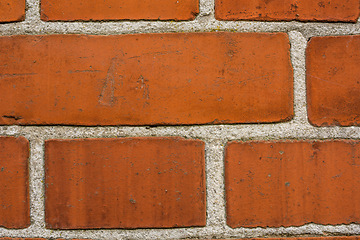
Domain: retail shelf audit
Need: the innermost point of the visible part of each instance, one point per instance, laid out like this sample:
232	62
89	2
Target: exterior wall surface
180	119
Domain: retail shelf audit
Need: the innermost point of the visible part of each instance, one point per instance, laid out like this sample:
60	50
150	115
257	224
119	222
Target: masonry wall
179	119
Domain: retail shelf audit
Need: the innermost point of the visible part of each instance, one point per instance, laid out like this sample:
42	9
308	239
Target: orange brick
14	189
288	10
64	10
146	79
125	183
333	85
291	183
12	10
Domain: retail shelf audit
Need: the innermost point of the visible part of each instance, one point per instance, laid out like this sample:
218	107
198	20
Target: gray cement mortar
215	136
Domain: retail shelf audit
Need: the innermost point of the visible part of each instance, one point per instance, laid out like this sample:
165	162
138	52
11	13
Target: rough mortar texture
215	137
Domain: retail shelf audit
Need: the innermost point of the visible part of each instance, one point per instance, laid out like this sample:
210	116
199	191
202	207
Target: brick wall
179	119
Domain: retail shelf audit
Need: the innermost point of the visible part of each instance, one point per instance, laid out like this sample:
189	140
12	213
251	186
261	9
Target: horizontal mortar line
218	231
130	27
218	132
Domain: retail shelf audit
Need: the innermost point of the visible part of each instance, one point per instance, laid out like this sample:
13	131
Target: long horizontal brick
146	79
291	183
125	183
14	186
333	85
64	10
12	10
288	10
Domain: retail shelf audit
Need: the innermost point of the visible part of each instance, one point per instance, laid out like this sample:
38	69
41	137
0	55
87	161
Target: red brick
285	10
333	85
64	10
12	10
125	183
146	79
14	188
291	183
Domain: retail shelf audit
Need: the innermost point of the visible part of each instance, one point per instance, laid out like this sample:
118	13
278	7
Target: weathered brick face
14	185
148	79
12	10
55	10
125	183
155	79
333	84
285	10
292	183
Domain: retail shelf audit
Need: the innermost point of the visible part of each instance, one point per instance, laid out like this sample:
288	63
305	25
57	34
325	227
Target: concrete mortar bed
215	136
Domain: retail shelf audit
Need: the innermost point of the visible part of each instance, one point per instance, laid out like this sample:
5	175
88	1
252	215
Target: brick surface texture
148	79
12	10
125	183
285	10
113	10
333	84
179	119
291	183
14	186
